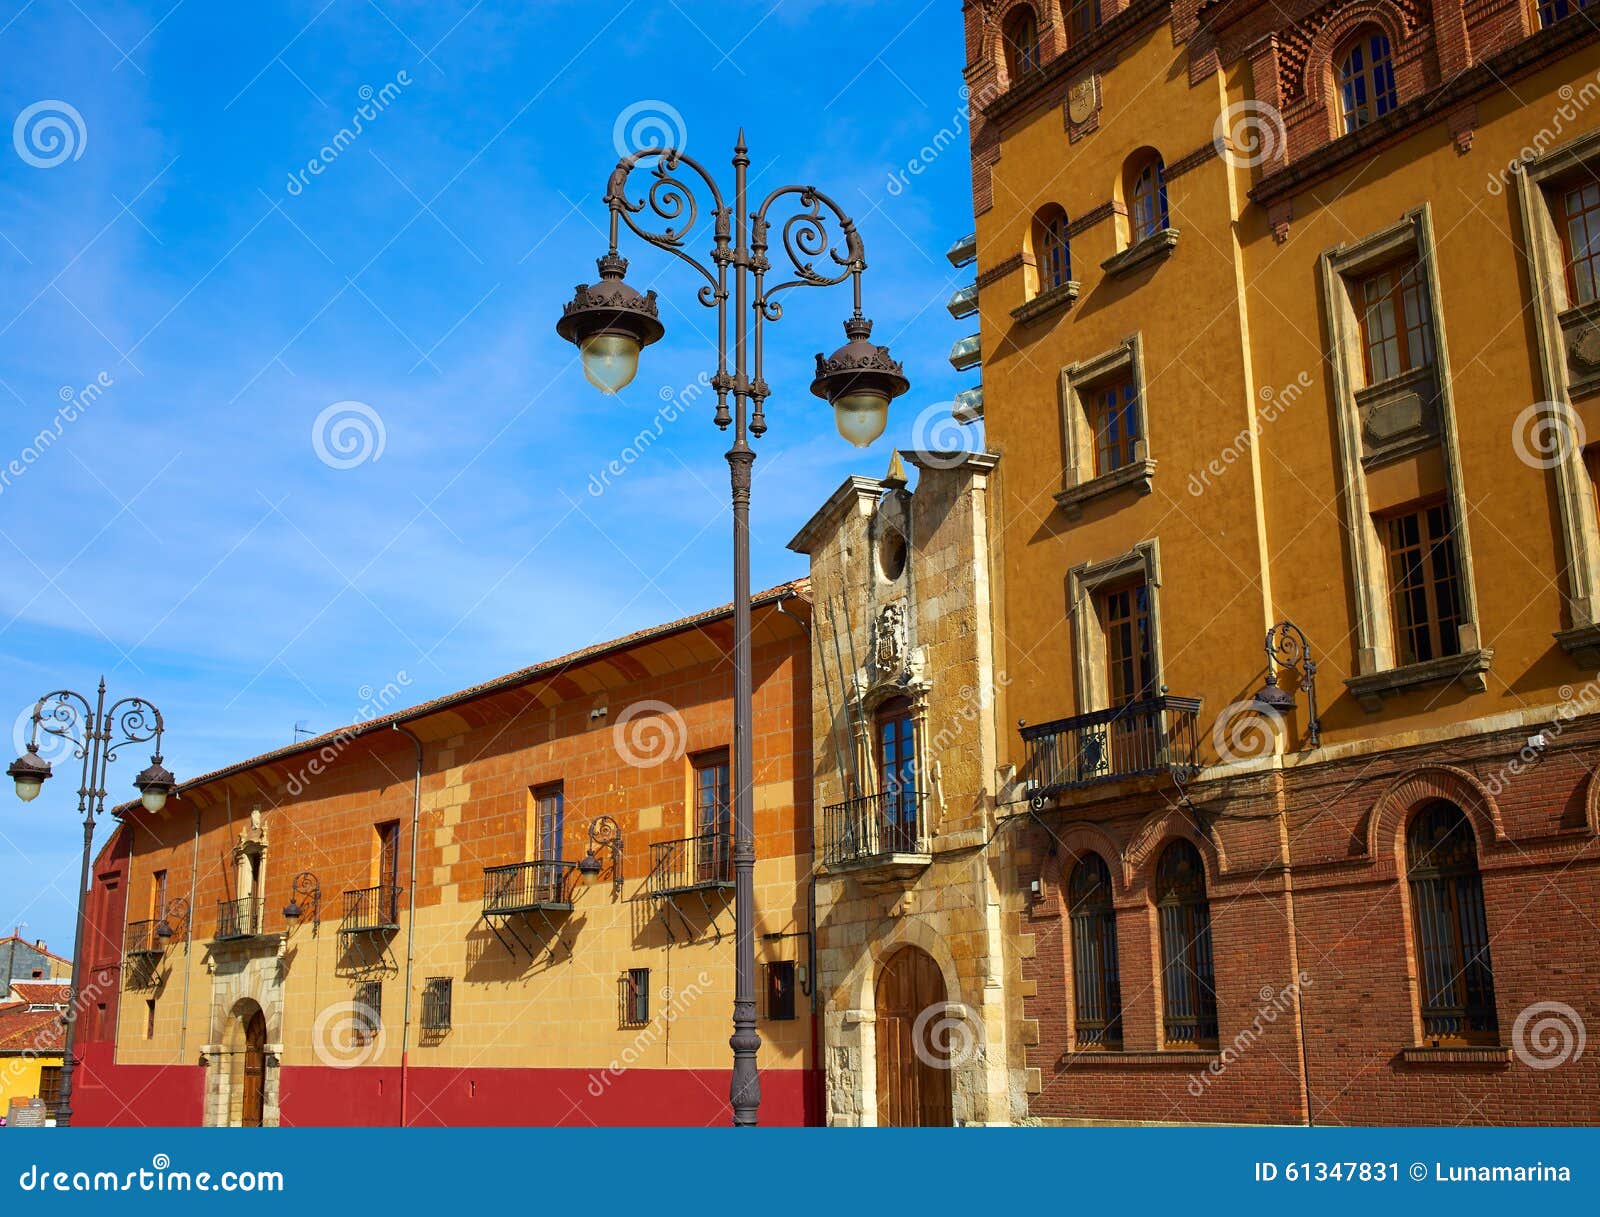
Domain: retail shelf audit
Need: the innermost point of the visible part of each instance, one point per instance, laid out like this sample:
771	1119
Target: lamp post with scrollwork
97	732
610	322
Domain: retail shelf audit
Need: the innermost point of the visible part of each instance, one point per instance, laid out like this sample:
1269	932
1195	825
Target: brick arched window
1552	11
1083	19
1452	930
1020	34
1146	191
1096	987
1050	249
1188	994
1365	71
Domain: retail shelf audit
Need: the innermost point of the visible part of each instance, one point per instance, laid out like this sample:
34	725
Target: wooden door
255	1069
913	1073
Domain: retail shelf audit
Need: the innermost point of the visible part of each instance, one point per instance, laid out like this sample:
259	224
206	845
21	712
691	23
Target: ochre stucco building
1289	313
392	924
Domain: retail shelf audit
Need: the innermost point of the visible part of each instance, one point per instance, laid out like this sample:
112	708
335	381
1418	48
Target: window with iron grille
780	990
368	1008
1424	583
1096	984
633	997
1452	929
1188	995
436	1004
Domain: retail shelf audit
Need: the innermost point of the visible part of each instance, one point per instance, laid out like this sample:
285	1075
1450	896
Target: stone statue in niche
889	643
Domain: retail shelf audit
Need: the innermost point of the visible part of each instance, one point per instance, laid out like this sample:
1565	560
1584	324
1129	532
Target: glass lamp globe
861	417
610	360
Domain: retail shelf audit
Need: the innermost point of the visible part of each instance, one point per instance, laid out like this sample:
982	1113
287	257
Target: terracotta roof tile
27	1031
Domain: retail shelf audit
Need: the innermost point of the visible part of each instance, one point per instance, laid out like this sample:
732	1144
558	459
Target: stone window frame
1084	583
1341	269
1554	317
1079	483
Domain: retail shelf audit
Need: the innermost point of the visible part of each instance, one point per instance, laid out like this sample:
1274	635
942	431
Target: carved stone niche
1398	417
1580	335
889	642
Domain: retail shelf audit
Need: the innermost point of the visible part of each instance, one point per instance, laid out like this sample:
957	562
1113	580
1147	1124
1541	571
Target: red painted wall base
107	1094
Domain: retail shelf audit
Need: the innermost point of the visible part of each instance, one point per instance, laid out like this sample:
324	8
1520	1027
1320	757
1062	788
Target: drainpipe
411	920
188	934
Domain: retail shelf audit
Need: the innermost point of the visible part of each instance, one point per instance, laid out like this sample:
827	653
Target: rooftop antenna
300	730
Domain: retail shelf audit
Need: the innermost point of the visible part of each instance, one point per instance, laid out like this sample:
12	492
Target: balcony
694	864
370	909
885	831
528	887
141	942
1141	739
238	919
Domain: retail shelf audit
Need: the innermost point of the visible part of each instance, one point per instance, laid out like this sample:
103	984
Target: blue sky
184	537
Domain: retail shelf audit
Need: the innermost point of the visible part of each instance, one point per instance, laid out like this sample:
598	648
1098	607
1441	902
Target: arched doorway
255	1070
913	1068
242	1094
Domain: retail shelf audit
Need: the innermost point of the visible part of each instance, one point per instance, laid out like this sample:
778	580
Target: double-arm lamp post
610	322
97	732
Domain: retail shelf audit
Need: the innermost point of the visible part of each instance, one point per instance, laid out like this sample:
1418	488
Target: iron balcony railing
141	940
693	864
238	918
371	908
874	826
1155	735
525	886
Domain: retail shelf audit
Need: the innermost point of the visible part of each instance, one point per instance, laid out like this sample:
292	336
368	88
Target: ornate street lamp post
610	323
97	732
1288	647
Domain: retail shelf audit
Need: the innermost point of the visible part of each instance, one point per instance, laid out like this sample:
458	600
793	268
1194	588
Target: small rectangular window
713	818
1577	215
1396	321
368	1011
1552	11
436	997
1114	417
50	1088
149	1018
780	990
1424	583
633	990
549	813
158	895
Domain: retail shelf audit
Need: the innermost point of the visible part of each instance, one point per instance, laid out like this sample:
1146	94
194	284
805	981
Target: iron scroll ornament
804	237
